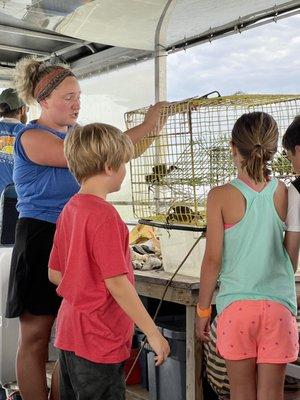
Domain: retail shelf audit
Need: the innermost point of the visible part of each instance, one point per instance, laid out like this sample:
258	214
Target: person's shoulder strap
246	191
271	187
18	148
23	128
35	125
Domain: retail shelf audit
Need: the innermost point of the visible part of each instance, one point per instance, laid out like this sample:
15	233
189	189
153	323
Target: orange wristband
203	312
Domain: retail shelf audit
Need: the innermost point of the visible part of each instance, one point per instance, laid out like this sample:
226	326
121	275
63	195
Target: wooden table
183	290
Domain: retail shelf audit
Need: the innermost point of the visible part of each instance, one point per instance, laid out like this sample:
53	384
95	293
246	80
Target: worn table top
183	289
183	281
161	278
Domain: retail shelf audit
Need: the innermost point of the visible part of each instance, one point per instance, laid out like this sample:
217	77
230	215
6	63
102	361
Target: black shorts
29	288
81	379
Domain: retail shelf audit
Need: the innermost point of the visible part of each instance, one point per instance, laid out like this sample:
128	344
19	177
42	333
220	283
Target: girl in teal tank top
256	302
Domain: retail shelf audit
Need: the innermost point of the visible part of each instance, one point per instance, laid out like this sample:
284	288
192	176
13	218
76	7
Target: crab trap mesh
171	179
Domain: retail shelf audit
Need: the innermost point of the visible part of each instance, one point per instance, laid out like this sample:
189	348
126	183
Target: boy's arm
126	296
212	260
54	276
292	245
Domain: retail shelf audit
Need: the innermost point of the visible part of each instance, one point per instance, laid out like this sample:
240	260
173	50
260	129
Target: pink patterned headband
50	81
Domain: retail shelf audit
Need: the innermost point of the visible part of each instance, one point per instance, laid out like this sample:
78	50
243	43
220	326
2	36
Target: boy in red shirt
90	262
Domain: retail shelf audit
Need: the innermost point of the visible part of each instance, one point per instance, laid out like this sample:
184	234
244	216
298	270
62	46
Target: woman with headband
43	184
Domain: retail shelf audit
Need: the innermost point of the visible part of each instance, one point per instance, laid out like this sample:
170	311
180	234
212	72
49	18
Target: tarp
132	23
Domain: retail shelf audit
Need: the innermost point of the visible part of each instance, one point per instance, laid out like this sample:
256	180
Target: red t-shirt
91	244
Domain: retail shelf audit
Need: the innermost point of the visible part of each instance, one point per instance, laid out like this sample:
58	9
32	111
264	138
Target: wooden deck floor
292	395
287	396
135	392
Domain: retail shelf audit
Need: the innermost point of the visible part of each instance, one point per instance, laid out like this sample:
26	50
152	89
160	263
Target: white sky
261	60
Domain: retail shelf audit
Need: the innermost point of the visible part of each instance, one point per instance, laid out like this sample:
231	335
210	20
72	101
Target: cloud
260	60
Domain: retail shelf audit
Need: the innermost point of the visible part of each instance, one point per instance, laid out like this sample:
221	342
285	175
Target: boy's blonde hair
88	149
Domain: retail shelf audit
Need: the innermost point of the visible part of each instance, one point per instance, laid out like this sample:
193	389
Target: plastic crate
168	382
175	245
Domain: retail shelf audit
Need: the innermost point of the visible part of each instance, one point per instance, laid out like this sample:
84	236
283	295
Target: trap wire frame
173	171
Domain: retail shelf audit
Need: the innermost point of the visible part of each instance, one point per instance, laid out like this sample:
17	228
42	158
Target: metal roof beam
108	60
39	35
5	74
25	51
67	49
6	64
77	43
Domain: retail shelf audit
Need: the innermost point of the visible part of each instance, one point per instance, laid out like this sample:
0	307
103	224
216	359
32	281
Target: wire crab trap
171	179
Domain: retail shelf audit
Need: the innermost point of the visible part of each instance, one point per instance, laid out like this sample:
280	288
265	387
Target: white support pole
161	54
160	65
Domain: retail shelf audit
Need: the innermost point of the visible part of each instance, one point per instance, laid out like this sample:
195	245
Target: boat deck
136	392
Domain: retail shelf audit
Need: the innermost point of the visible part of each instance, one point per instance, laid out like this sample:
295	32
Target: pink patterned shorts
261	329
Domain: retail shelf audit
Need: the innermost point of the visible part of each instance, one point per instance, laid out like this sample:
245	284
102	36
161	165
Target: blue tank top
8	131
42	190
255	264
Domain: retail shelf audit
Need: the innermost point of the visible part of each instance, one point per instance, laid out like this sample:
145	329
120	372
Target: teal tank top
255	264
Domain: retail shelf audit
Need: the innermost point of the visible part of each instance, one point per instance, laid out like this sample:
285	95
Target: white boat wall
9	328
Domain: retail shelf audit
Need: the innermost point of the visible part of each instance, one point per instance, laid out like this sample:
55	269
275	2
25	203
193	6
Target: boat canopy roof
96	36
